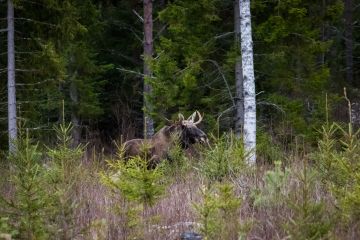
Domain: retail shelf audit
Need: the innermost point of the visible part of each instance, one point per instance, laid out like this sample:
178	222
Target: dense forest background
80	93
90	54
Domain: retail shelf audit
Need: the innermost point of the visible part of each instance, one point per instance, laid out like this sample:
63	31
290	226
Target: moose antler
181	117
200	117
192	117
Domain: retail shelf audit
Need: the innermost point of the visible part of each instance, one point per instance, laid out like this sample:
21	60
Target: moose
182	132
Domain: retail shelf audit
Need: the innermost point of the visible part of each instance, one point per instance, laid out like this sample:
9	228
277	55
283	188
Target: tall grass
59	194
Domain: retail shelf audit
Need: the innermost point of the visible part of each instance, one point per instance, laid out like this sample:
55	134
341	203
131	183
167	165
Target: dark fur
156	148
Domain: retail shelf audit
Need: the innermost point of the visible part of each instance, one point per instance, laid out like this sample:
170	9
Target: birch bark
12	127
148	52
249	81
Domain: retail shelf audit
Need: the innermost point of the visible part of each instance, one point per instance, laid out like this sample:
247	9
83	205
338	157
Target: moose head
190	133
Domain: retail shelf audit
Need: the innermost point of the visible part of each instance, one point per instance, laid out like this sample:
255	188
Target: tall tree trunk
148	52
249	81
239	119
349	41
12	128
75	121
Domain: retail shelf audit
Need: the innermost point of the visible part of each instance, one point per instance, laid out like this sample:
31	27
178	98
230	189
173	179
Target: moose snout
203	139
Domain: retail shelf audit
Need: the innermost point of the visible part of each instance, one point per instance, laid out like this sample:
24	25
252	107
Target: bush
63	175
141	188
226	158
28	209
338	163
219	213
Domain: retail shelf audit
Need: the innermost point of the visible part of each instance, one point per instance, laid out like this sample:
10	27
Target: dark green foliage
185	64
55	50
293	66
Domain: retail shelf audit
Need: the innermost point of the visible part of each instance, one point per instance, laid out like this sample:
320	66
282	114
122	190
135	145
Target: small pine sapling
140	187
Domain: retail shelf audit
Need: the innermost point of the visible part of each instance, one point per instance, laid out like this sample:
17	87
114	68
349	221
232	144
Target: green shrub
177	164
63	174
311	219
219	213
29	206
141	188
338	162
225	158
275	187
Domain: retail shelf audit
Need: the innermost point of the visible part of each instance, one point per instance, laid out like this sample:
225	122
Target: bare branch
35	21
36	83
132	72
223	35
272	105
224	78
138	15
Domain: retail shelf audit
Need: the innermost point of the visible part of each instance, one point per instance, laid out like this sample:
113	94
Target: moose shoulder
183	132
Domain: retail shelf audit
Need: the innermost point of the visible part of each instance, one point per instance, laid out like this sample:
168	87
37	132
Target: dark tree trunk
148	53
239	118
75	120
348	15
12	127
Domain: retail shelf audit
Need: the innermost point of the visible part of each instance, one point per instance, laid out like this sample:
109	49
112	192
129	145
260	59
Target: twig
134	72
138	15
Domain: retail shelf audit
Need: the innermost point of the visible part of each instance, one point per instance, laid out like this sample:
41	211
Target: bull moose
182	132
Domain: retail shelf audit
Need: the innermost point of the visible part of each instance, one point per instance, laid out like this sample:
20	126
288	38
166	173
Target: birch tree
148	52
249	80
12	128
239	118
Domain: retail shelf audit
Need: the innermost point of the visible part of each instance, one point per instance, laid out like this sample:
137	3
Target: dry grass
98	217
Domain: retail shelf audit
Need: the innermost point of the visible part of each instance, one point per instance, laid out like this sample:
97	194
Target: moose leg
153	161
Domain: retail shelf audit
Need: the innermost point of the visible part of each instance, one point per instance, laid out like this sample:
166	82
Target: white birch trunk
239	118
249	81
12	127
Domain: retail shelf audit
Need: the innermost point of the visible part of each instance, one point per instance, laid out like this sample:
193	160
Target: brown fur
156	148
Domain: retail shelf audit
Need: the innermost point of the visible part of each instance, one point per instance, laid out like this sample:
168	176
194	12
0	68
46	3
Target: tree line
109	67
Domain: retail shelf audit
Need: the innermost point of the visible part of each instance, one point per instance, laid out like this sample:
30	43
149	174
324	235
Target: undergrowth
55	194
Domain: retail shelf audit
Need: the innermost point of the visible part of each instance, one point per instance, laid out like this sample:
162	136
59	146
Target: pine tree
12	128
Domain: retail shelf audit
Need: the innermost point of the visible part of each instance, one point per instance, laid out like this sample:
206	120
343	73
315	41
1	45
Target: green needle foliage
225	158
338	163
275	188
135	181
219	213
63	175
311	219
28	208
140	187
